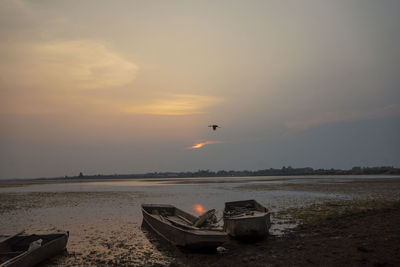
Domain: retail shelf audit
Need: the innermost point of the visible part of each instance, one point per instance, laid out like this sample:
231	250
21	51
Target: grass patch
318	213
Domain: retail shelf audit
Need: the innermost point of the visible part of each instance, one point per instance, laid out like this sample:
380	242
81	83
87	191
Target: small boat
246	219
181	228
22	250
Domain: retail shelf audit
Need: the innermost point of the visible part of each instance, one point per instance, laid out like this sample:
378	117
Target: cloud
175	104
81	76
51	77
71	65
200	145
335	117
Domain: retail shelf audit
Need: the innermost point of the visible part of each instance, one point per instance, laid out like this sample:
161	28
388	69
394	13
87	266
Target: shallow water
104	217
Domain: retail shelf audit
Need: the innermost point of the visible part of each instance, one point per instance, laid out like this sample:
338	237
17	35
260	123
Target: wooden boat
23	250
181	228
246	219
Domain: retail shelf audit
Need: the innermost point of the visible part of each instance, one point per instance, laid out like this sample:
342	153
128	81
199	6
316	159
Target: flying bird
214	126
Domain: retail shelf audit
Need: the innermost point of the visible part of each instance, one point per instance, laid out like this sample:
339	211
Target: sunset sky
104	87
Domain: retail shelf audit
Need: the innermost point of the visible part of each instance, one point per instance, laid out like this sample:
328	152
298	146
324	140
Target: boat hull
246	219
191	239
250	227
35	256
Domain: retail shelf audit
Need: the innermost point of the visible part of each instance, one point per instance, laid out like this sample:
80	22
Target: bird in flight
214	126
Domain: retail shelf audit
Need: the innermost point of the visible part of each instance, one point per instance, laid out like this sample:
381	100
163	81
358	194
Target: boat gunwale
258	207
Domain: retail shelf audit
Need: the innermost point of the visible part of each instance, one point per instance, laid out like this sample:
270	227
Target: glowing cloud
175	104
199	145
46	77
78	65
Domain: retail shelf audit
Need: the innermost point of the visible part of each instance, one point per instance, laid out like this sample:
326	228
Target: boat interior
172	215
244	207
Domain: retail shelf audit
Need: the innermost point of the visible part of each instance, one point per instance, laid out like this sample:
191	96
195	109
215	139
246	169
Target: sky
117	87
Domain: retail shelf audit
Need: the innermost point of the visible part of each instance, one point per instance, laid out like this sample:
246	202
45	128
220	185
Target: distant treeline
387	170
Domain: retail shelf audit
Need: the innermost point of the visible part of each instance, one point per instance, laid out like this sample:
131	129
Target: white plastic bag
35	244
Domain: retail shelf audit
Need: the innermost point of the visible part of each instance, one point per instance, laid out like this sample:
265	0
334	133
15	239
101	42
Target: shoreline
175	180
356	171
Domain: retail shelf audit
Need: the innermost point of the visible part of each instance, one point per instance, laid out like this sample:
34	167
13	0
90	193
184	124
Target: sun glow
199	145
199	209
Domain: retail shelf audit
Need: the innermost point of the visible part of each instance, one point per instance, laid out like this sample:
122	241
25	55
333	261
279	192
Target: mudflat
322	221
365	237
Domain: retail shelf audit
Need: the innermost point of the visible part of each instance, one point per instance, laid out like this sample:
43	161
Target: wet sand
105	221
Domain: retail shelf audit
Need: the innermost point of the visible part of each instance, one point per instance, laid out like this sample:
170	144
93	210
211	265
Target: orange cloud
68	65
62	76
199	145
175	104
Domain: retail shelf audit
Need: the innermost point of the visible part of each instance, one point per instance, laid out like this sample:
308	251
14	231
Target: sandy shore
359	227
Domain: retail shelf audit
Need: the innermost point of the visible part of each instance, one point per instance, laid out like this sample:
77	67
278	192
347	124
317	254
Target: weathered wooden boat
23	250
181	228
246	219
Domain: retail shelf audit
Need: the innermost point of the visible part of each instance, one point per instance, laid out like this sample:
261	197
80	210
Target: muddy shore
368	234
350	223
